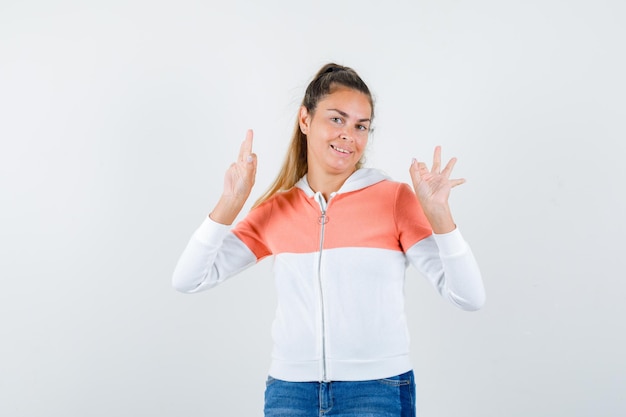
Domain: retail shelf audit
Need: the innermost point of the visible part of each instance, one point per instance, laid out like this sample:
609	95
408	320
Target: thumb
414	171
251	164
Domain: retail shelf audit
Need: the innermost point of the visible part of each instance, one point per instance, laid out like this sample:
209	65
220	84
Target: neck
326	183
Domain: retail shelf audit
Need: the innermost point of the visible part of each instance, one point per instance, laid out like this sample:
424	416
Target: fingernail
413	160
249	158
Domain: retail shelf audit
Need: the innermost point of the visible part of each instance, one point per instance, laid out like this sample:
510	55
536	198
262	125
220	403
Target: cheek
361	144
325	132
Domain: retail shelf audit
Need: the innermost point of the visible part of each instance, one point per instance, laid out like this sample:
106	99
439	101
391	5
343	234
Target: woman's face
337	131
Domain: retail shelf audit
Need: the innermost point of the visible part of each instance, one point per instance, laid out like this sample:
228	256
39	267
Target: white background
118	119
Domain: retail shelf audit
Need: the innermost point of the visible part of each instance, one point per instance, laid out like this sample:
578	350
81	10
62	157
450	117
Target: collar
361	178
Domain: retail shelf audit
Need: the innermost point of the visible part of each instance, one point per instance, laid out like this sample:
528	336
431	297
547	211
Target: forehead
347	100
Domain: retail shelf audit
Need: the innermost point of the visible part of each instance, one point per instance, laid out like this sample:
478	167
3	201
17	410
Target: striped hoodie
339	270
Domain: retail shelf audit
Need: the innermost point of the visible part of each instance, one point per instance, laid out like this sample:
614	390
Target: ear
304	120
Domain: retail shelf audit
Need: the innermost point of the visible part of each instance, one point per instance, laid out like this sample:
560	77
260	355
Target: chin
344	170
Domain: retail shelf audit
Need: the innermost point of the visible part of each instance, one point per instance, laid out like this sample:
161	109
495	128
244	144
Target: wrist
440	219
226	210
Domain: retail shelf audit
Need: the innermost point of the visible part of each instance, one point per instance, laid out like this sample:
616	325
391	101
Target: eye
336	120
362	128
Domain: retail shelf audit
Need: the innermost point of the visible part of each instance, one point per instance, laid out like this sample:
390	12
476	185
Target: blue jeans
389	397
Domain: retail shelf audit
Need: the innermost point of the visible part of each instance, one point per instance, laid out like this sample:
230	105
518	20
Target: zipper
323	219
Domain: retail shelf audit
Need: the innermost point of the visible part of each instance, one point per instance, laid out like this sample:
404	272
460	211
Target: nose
344	135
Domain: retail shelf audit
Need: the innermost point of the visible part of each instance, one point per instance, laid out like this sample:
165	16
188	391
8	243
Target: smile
340	149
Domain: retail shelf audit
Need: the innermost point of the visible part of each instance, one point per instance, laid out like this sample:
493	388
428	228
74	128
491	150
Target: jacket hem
340	370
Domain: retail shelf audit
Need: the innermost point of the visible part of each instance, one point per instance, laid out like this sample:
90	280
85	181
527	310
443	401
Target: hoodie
339	269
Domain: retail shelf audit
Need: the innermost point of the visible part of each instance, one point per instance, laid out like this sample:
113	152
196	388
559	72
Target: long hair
328	79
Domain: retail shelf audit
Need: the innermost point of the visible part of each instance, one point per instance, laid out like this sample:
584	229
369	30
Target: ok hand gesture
432	188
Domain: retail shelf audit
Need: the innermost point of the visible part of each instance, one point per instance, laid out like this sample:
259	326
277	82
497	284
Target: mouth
341	150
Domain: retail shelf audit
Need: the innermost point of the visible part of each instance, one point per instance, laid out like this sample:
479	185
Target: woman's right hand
238	183
239	177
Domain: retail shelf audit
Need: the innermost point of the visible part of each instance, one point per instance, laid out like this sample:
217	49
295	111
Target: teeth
339	149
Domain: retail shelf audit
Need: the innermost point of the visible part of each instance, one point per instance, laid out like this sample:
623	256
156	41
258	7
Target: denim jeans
389	397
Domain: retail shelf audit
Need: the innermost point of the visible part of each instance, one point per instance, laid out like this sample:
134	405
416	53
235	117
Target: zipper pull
323	219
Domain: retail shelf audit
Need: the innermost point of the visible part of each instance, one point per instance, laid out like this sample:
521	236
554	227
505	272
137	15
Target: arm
214	253
444	258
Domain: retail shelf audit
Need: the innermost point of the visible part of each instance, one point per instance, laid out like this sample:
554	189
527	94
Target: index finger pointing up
246	147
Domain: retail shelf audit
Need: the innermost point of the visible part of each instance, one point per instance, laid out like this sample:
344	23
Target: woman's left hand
432	188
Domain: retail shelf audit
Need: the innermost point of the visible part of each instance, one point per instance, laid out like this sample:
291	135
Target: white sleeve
212	255
446	260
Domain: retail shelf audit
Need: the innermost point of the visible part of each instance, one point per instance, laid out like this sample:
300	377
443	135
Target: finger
449	166
437	159
251	168
417	167
423	168
251	160
414	170
246	146
459	181
420	167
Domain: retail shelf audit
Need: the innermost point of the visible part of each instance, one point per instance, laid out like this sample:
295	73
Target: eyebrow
344	114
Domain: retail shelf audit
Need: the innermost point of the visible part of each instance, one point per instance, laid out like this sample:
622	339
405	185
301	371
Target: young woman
341	236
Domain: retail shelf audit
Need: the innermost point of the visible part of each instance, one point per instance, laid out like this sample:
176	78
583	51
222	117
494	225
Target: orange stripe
386	215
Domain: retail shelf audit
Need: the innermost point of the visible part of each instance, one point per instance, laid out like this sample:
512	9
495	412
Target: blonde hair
295	165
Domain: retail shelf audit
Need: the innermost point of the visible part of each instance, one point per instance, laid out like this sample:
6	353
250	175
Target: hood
361	178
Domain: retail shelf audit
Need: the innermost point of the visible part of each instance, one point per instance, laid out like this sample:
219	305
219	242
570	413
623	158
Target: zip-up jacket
339	269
